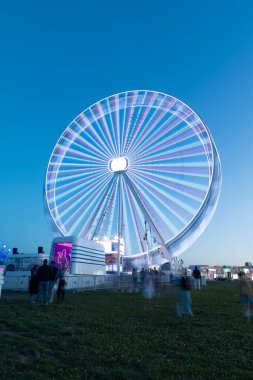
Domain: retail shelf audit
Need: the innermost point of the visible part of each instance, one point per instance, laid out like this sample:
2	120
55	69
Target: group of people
149	282
43	280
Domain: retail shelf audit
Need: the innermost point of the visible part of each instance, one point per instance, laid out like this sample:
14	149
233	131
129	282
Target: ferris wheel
134	164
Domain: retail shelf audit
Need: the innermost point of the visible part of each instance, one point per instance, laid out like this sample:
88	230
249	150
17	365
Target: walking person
246	295
43	275
61	285
183	301
156	281
197	278
33	284
148	289
135	280
142	275
52	282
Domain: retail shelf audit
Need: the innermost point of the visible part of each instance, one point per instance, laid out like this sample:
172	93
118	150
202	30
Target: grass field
109	335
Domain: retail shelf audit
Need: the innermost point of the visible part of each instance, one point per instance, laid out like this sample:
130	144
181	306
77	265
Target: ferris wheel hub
118	164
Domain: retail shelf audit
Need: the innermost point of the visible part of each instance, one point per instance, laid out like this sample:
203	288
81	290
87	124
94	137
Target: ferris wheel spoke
70	171
109	223
88	155
113	133
67	176
135	217
115	119
152	194
109	148
188	169
123	110
59	165
126	223
158	127
158	131
185	135
192	150
60	196
165	132
73	186
88	122
104	211
79	158
86	145
188	187
79	151
76	220
84	195
97	215
142	204
104	128
188	206
128	121
152	119
176	216
125	117
139	119
189	146
135	144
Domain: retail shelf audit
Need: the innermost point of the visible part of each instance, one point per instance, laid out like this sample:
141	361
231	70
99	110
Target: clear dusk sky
58	57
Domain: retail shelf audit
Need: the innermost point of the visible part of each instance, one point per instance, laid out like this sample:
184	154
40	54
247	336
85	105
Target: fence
20	282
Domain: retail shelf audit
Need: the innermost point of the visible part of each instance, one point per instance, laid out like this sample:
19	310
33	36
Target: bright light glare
118	164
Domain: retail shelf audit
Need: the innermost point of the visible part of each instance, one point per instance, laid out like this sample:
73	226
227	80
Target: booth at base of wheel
78	256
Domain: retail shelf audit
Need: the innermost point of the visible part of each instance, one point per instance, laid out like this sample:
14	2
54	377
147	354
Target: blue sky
59	57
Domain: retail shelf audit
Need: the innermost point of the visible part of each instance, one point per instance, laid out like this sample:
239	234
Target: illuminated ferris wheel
134	163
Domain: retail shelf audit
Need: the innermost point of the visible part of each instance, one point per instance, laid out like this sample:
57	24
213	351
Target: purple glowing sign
62	255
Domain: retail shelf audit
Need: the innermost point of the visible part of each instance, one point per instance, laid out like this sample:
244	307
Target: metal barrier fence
73	282
16	282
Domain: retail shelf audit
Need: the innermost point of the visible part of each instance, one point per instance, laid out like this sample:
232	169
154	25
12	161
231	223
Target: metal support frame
164	250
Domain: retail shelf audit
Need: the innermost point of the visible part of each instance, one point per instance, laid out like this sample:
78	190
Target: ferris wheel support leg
104	200
163	249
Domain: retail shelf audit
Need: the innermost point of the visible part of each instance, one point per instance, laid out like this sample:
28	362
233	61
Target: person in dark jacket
33	284
43	275
197	277
52	282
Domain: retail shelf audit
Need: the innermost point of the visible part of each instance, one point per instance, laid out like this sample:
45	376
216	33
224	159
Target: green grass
108	335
